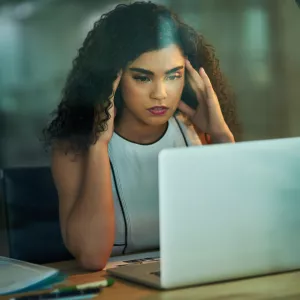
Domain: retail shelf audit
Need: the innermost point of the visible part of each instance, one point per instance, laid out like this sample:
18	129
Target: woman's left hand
208	116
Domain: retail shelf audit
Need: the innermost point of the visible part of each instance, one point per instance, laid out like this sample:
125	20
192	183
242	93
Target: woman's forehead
159	60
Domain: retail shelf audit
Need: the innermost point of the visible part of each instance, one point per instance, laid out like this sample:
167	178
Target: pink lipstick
158	110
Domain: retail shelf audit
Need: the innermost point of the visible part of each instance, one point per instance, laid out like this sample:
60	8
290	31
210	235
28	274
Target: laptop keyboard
156	273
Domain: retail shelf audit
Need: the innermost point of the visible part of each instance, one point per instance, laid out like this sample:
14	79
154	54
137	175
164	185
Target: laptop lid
229	211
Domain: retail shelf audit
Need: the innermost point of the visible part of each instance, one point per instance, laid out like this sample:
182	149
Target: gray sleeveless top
134	175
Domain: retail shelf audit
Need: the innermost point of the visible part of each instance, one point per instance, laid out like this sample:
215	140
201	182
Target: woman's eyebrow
174	70
141	70
148	72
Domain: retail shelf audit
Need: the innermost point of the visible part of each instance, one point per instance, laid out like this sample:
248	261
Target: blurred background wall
257	42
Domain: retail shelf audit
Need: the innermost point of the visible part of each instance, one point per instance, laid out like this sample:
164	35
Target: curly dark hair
117	38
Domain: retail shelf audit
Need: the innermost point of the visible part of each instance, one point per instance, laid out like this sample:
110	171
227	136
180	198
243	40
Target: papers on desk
19	276
141	258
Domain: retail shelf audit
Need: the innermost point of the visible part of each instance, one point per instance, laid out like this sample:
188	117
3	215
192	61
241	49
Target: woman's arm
227	137
206	139
86	204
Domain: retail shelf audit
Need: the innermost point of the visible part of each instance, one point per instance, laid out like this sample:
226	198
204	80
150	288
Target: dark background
257	42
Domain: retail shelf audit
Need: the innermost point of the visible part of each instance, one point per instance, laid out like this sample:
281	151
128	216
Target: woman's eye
141	78
174	77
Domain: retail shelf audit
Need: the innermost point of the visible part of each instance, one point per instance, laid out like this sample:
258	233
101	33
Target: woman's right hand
106	135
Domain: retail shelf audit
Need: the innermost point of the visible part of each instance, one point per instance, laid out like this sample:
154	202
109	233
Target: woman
137	67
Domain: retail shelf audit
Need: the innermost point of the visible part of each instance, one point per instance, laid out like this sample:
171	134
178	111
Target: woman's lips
158	110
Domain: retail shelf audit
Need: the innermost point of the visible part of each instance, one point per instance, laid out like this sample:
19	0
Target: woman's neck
138	132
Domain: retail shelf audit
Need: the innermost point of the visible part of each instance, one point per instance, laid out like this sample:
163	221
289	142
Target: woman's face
152	85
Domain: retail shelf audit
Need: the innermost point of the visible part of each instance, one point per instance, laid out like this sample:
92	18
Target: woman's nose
159	91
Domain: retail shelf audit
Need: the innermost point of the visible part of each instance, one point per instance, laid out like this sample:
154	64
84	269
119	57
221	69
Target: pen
103	283
63	294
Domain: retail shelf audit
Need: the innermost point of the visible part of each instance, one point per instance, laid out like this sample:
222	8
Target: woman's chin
157	121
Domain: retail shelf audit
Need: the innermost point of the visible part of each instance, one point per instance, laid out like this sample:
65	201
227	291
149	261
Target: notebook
20	276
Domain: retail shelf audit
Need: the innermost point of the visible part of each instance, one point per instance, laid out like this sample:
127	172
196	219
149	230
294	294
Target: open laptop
227	211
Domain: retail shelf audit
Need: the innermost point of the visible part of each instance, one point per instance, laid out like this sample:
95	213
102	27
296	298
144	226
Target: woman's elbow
92	262
90	257
89	260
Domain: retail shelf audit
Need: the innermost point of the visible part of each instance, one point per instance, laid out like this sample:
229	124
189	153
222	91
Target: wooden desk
284	286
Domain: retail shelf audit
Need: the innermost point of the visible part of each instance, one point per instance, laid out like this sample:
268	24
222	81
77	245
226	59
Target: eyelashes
144	79
174	77
141	78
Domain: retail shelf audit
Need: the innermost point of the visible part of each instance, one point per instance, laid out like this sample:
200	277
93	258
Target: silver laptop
227	211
